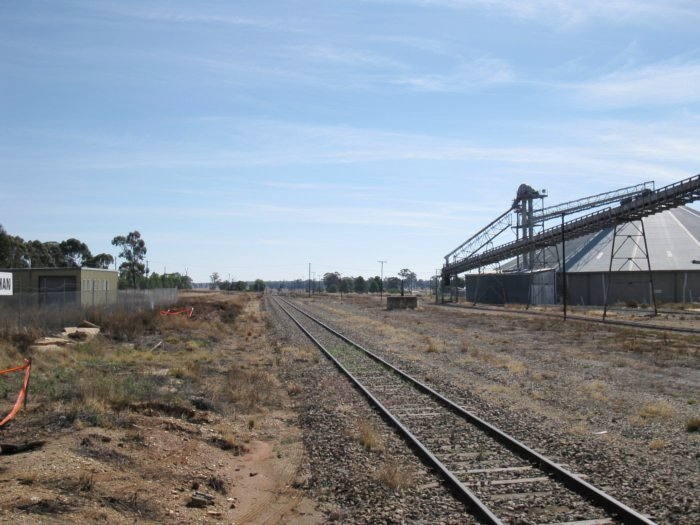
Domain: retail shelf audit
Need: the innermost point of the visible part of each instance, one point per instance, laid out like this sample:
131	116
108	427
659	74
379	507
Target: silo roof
673	240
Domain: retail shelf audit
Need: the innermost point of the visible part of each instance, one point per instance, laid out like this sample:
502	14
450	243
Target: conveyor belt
671	196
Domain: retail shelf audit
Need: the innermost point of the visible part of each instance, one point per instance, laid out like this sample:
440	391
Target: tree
408	276
44	254
373	286
360	285
133	251
214	281
241	286
331	280
170	280
12	250
258	285
75	253
101	260
393	284
347	284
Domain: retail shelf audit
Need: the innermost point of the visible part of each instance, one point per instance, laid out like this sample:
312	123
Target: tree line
15	252
405	280
216	283
334	282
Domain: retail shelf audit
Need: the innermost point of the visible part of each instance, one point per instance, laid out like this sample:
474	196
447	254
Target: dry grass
433	346
250	389
393	476
578	430
657	444
693	424
656	410
516	367
294	389
596	390
368	436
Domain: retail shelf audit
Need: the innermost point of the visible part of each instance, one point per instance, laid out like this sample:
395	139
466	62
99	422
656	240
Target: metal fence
49	311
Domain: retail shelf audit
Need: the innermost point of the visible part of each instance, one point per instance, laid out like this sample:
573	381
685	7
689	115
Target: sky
253	138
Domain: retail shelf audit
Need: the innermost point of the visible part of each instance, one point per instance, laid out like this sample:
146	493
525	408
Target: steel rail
464	494
618	509
631	324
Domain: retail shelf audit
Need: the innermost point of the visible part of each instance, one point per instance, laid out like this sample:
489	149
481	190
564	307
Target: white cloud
662	84
571	13
481	72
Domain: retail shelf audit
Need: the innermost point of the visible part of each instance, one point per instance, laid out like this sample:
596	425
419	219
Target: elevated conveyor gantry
646	202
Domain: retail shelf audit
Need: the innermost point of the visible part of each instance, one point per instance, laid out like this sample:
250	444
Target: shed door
57	289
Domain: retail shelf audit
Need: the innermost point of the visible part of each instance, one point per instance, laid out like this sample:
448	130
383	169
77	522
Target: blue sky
251	138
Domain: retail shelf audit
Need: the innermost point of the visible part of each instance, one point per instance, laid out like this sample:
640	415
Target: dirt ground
228	417
185	454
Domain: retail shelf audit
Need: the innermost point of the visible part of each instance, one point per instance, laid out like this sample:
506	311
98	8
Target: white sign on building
5	283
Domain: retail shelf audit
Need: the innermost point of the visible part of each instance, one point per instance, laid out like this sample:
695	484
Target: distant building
84	286
673	242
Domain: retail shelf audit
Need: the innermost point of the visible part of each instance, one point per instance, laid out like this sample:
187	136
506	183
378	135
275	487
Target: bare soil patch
156	420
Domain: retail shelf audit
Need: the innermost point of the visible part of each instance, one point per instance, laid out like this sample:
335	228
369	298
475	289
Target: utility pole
309	279
437	284
381	284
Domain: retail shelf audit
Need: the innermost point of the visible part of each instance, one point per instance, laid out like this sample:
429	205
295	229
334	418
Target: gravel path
609	402
378	482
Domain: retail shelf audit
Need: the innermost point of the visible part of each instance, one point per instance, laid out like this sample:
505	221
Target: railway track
499	478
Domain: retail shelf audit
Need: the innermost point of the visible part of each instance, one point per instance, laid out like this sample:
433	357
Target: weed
27	479
24	337
393	476
693	424
656	410
229	442
294	389
125	325
192	371
85	482
433	346
217	484
516	367
657	444
192	345
250	388
368	436
579	429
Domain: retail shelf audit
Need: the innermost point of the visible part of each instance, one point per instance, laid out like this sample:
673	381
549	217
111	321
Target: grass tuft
656	410
693	424
657	444
368	436
393	476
